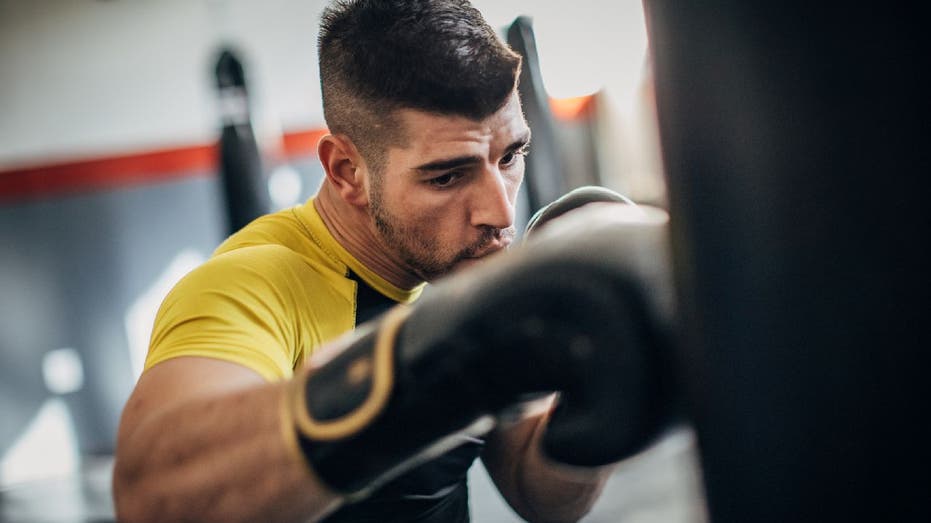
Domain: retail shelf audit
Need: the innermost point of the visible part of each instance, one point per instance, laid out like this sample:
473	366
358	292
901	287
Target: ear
345	170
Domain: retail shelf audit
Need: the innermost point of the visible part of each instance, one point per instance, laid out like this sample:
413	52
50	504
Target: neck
353	228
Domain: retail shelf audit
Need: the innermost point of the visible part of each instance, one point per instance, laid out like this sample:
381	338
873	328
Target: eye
511	158
445	180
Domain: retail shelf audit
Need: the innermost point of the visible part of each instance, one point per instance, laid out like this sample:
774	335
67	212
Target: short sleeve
261	307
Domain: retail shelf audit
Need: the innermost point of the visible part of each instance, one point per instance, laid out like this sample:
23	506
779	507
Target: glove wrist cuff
369	363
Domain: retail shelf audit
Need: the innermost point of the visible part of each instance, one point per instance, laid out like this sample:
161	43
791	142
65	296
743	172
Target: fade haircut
378	56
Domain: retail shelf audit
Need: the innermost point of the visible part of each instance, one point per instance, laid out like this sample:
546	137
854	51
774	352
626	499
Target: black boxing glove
589	428
582	314
572	200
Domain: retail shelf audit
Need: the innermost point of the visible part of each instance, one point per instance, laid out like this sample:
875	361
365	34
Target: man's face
447	198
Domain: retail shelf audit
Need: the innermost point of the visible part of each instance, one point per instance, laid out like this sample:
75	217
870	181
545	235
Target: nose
493	201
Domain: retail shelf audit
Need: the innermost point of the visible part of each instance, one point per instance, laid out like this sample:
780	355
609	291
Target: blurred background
122	136
135	135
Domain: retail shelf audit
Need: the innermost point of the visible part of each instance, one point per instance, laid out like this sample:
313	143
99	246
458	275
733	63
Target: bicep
179	380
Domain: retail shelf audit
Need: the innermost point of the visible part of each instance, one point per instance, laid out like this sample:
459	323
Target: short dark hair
377	56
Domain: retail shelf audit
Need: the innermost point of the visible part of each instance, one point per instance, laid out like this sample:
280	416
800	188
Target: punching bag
794	138
245	188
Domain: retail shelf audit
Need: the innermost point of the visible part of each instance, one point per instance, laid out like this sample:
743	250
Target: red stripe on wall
302	143
113	172
106	173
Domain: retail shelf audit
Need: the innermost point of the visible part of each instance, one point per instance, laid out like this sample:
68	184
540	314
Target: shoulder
262	275
282	228
265	288
261	307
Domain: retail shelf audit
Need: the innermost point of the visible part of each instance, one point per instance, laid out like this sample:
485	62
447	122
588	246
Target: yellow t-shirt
269	296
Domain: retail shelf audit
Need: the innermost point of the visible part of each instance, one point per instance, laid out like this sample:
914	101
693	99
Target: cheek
426	221
444	228
439	221
430	209
425	218
513	184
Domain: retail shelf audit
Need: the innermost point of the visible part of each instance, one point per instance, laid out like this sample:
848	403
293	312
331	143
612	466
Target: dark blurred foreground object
794	138
244	185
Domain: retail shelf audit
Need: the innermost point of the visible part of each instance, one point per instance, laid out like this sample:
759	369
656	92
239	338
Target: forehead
429	135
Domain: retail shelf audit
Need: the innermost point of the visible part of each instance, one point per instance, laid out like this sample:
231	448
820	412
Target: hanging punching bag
244	185
794	142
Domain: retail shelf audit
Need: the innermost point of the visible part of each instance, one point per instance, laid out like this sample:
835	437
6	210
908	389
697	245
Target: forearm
555	492
217	458
538	489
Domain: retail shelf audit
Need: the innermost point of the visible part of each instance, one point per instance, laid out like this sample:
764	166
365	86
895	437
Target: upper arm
198	432
179	380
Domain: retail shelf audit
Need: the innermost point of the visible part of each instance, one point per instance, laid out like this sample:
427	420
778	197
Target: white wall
91	77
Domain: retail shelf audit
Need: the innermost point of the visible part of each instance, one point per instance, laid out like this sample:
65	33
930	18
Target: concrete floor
659	486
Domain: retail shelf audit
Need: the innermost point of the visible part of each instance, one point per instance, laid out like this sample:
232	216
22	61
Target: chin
465	264
455	268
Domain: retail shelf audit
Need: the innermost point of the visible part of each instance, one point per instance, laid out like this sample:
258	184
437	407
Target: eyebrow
451	163
460	161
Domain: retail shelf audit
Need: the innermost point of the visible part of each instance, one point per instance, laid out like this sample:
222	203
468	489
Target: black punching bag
795	143
245	188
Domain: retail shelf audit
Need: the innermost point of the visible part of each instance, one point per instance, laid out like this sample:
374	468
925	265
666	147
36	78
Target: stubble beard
421	254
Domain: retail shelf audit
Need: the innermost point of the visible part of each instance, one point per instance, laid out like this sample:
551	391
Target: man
423	165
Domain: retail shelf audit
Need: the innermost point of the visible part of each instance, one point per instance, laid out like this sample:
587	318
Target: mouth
490	248
493	242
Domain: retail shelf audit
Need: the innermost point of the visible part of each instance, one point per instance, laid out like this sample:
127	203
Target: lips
494	240
492	248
